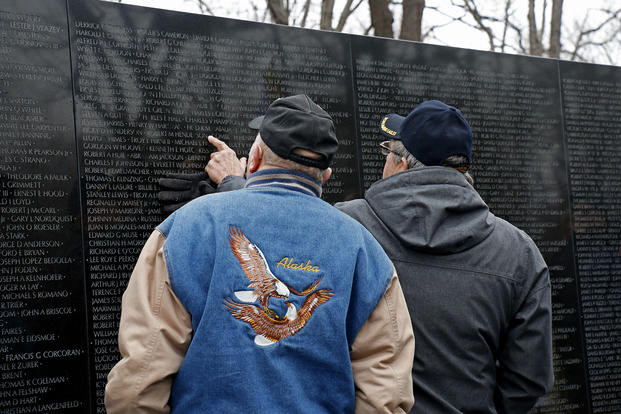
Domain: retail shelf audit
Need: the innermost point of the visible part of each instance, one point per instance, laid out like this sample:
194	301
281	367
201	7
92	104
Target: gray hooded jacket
477	288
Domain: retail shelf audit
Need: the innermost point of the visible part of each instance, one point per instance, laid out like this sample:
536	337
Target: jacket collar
287	179
432	209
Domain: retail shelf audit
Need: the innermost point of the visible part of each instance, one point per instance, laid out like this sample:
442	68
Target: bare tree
507	27
349	9
305	13
381	18
279	11
327	8
506	24
412	20
493	24
473	10
555	29
535	35
203	7
536	27
598	39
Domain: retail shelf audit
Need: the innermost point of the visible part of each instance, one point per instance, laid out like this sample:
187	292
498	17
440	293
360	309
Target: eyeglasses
385	148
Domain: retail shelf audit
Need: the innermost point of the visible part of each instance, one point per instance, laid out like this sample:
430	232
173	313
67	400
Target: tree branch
471	7
555	29
306	7
583	33
327	8
280	14
202	6
505	27
542	29
533	34
347	11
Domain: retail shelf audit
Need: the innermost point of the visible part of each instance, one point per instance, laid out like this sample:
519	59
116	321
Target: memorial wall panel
591	108
43	342
100	100
150	86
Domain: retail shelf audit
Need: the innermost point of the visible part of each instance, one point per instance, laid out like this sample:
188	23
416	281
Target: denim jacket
277	285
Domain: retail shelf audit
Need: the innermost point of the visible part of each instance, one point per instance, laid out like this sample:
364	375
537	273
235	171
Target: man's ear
254	158
326	175
402	165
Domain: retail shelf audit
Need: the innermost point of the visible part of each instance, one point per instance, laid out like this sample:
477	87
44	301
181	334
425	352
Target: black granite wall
99	100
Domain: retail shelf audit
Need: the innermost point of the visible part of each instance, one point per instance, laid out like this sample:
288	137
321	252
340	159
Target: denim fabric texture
224	370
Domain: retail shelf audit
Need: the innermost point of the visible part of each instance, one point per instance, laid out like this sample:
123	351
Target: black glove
179	189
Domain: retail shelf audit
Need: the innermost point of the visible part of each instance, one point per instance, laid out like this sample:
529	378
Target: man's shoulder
355	212
345	210
510	230
353	208
231	183
350	204
513	242
198	209
360	210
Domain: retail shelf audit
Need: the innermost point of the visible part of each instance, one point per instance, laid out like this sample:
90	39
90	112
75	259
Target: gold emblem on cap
386	129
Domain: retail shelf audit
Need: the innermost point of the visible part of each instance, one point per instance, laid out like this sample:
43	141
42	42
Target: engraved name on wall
43	340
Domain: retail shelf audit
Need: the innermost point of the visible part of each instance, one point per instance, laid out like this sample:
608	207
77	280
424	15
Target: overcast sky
574	11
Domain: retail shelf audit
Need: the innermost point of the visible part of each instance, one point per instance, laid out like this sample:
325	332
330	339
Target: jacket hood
432	209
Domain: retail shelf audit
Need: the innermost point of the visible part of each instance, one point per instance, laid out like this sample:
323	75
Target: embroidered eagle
262	280
270	327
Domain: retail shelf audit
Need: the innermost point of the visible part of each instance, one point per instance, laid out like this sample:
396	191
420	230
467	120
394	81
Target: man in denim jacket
477	287
265	299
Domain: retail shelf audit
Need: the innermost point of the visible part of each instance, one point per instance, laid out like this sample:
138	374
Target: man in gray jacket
477	288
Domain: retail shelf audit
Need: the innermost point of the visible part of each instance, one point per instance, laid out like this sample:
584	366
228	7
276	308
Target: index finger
220	145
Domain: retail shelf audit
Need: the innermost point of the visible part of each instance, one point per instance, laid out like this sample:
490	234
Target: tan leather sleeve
154	334
382	355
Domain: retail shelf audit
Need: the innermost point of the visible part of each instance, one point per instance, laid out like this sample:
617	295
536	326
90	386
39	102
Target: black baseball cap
432	132
256	122
296	122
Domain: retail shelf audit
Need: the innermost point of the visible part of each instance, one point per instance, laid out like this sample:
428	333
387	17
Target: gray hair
270	157
399	149
454	161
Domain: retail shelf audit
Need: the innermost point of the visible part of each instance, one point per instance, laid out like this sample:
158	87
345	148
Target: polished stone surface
98	103
43	319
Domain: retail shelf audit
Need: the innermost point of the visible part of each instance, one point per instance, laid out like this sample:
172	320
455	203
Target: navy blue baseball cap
432	132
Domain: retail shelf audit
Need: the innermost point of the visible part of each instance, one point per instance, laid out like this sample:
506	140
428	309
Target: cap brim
390	124
256	123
